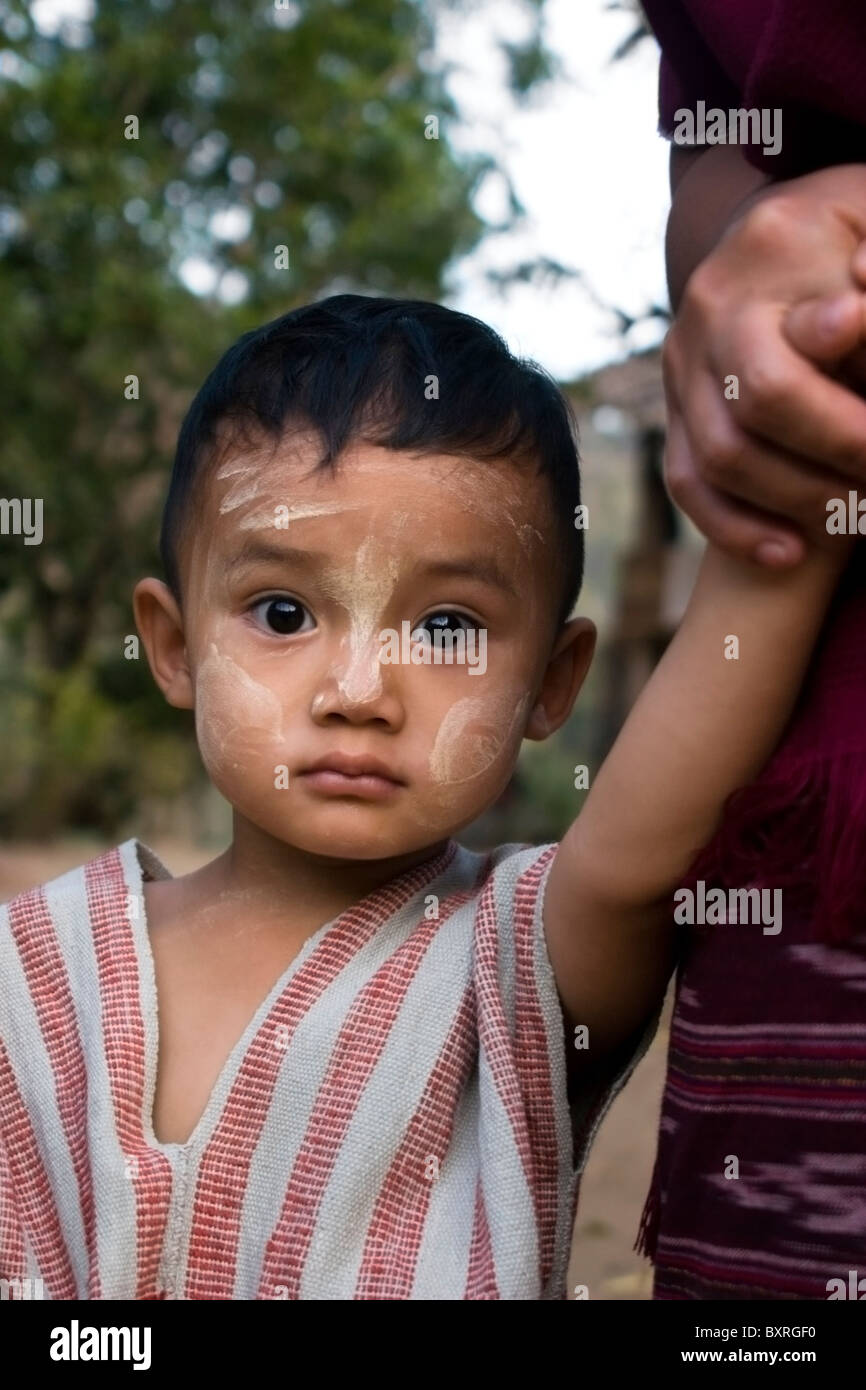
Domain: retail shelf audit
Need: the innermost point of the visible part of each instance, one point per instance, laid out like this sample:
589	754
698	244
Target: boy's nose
359	690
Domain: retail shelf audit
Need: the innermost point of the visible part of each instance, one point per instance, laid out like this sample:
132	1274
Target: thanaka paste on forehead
281	516
364	589
247	487
252	479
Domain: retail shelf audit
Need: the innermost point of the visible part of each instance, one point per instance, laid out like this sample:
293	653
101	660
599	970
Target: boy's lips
347	774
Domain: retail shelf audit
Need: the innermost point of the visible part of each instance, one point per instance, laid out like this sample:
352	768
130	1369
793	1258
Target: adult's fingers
733	526
751	471
832	331
826	329
858	263
786	400
852	372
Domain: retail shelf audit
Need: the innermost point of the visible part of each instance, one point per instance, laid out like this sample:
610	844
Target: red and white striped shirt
393	1124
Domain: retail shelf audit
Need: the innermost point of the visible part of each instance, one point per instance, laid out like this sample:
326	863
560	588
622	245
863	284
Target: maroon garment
807	57
802	826
767	1057
759	1189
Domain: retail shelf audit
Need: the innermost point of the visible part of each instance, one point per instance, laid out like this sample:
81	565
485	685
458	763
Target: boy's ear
160	625
566	669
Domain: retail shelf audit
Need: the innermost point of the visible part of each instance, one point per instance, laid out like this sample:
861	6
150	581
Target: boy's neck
273	874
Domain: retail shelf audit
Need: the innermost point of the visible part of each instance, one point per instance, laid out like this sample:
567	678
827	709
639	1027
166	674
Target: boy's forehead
374	489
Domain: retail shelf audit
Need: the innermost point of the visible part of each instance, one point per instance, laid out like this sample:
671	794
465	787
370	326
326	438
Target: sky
590	169
584	158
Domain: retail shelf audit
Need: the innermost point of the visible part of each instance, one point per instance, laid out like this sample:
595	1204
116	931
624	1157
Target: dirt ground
618	1171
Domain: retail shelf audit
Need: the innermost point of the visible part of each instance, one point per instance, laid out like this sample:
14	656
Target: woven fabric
395	1122
760	1182
799	56
767	1061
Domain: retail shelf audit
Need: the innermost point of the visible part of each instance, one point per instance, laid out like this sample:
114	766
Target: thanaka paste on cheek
234	714
473	735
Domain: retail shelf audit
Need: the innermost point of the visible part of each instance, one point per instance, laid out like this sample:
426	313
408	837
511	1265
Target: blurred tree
147	150
640	30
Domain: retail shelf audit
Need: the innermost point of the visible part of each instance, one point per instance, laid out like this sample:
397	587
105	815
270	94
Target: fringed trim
648	1230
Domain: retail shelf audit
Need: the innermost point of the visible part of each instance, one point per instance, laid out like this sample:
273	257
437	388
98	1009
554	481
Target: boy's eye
444	621
285	616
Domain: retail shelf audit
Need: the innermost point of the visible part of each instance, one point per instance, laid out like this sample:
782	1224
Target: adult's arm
709	187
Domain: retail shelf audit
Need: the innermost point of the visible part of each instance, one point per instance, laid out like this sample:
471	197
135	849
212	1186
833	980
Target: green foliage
307	119
76	756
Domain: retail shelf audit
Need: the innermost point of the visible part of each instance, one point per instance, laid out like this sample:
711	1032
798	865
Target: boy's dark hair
356	366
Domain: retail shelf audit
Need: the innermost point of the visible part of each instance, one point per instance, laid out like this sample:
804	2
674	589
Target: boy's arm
703	726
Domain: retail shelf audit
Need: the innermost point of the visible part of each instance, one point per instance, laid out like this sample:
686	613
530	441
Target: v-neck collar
146	866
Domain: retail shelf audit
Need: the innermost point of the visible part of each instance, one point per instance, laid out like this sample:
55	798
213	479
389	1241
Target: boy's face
292	580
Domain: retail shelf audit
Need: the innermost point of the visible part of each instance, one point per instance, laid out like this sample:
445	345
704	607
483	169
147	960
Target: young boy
350	1058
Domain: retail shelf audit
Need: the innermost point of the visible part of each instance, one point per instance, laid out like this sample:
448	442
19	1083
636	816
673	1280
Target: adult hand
762	424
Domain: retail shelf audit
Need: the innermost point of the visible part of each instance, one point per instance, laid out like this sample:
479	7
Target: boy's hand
783	285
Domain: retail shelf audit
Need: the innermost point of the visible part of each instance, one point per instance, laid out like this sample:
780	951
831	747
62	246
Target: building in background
656	567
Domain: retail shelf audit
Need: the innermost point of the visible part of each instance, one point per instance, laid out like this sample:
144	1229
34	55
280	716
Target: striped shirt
394	1123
